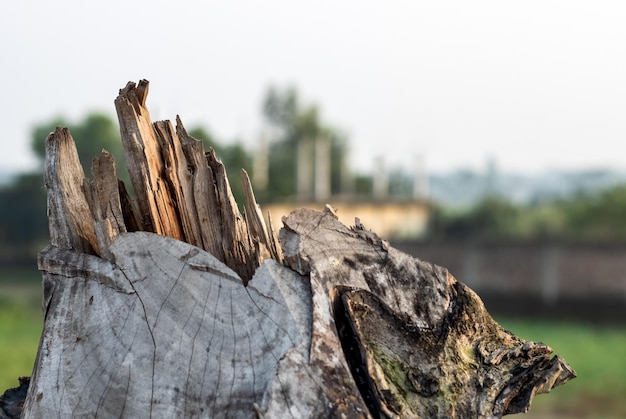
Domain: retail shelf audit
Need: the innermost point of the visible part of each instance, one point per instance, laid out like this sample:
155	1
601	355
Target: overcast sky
534	84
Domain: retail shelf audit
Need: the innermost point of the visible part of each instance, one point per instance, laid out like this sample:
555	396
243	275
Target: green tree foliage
493	217
400	183
293	123
363	186
599	216
596	216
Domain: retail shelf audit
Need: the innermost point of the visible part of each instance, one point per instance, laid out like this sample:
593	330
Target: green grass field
20	324
598	354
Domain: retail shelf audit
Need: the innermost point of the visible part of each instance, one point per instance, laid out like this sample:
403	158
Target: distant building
405	219
390	217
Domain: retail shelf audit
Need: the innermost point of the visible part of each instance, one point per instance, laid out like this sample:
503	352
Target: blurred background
486	137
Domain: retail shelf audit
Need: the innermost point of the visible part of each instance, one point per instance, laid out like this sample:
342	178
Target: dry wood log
186	308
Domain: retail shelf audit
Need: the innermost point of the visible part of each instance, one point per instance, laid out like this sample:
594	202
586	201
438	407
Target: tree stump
174	304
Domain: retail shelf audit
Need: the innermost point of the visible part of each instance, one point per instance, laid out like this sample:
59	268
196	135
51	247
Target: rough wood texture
165	331
145	162
69	217
419	343
186	308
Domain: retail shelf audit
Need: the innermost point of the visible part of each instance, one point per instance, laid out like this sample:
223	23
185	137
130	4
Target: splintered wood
168	302
182	192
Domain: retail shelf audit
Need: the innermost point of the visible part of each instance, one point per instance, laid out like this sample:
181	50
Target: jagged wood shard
177	305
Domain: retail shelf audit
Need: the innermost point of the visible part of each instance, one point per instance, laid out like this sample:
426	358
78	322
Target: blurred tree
491	218
400	183
363	185
281	108
598	216
586	216
291	124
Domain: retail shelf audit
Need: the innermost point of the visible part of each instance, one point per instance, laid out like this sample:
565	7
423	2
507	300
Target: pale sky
534	85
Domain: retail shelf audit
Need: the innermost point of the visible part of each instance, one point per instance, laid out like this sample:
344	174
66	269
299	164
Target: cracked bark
187	308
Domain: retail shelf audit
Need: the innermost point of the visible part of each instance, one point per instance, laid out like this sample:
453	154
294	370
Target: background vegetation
21	322
597	216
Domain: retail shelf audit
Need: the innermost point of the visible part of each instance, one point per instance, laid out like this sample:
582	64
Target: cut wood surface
177	305
165	331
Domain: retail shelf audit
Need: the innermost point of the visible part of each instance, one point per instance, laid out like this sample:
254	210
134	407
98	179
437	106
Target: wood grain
166	331
169	302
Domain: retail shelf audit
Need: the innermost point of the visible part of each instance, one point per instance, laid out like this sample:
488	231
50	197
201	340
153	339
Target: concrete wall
574	281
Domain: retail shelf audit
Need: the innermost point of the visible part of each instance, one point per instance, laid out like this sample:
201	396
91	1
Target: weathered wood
203	193
132	221
267	244
106	207
145	163
181	191
177	177
330	322
425	345
165	331
239	251
70	220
